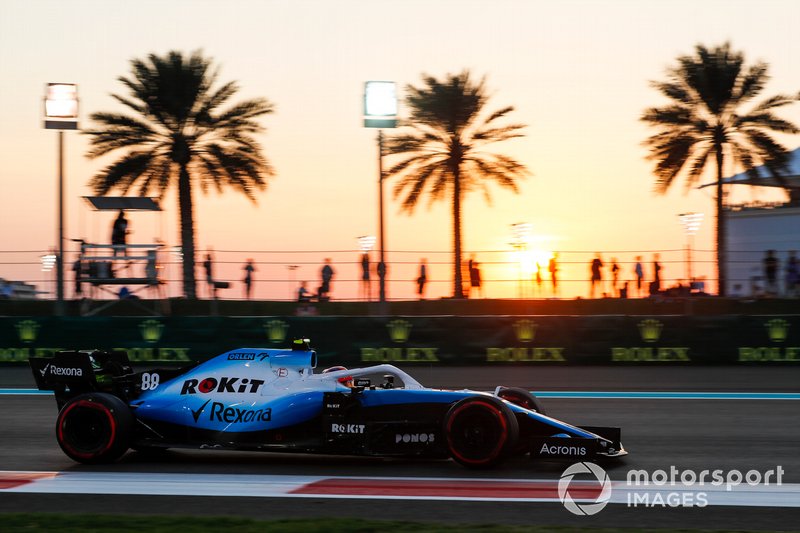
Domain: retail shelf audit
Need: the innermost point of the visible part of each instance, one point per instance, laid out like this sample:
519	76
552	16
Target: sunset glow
577	73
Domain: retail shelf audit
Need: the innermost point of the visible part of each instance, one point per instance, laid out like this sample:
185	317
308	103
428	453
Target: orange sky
577	73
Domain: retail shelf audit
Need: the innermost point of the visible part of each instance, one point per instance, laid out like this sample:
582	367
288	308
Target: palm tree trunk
187	232
722	245
458	290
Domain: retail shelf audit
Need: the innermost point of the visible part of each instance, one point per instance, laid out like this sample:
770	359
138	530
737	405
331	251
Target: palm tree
180	136
443	152
702	125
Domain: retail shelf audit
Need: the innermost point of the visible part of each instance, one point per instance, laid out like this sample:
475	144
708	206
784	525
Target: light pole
691	223
520	235
60	113
380	111
48	262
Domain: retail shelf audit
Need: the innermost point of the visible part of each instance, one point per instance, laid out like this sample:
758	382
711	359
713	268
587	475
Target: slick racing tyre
522	398
480	431
94	428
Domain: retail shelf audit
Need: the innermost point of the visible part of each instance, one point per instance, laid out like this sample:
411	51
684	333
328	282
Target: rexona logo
777	331
223	384
650	332
61	371
525	332
409	438
399	332
276	330
234	415
27	329
151	330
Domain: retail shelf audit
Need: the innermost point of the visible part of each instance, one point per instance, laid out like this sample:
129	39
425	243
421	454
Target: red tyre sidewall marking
497	414
91	405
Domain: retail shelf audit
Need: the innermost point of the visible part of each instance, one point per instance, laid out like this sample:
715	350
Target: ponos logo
587	492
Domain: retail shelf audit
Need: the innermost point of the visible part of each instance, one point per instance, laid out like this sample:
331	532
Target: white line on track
434	489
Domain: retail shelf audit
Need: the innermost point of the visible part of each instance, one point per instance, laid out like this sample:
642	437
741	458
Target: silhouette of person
302	293
623	291
552	266
366	285
475	278
208	266
655	286
248	278
77	267
639	271
323	294
538	279
771	273
422	279
119	234
151	268
597	276
614	275
792	275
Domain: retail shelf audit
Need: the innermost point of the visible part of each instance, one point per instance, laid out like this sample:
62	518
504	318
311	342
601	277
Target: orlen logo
407	438
223	384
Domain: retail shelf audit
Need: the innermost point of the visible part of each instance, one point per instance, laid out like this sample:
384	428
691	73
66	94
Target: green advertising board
441	340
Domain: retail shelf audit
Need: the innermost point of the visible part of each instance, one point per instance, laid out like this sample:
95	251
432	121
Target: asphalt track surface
687	434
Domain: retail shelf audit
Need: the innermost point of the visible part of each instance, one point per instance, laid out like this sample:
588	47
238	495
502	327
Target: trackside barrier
440	340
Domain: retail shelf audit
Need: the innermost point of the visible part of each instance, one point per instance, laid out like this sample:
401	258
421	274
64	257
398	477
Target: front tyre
94	428
522	398
481	431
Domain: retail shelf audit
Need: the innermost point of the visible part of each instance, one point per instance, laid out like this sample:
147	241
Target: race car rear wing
69	373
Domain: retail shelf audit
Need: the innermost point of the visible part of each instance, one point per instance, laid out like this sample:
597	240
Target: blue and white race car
272	400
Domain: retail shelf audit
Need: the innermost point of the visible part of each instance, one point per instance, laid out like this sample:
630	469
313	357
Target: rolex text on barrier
422	340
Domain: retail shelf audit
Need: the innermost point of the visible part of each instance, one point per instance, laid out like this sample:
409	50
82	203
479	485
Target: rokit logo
223	384
348	428
408	438
61	371
233	415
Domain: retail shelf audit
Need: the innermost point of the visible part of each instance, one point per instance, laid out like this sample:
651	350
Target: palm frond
121	174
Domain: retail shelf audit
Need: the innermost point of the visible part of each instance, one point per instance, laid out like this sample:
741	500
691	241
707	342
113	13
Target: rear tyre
522	398
481	431
94	428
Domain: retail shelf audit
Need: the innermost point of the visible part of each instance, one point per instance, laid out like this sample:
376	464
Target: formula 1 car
271	400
